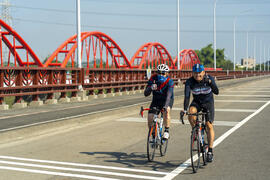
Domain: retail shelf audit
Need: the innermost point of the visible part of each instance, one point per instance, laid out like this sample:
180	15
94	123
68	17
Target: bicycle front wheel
151	143
204	148
163	144
195	150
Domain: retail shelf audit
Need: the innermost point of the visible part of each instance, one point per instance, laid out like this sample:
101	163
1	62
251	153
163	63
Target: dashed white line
77	170
246	95
81	165
176	121
224	110
240	101
55	173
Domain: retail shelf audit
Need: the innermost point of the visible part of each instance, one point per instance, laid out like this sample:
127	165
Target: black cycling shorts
159	104
204	108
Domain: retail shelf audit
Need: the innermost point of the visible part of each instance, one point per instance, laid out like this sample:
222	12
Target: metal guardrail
20	81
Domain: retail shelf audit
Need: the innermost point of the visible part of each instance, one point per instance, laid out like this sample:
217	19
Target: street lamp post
247	52
254	53
260	55
234	40
234	21
215	46
268	58
79	58
178	35
264	58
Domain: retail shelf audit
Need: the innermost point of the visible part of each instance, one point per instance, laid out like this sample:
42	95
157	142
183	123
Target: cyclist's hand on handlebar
182	113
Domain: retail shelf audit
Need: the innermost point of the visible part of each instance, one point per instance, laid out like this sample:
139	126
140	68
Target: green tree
206	56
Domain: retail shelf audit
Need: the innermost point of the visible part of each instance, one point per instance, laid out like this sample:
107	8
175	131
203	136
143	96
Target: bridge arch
151	55
98	51
188	58
14	45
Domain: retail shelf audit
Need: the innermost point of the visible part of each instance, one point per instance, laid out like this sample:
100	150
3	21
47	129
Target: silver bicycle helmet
162	68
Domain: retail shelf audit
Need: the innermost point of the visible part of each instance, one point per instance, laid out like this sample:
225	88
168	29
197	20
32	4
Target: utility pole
215	45
178	35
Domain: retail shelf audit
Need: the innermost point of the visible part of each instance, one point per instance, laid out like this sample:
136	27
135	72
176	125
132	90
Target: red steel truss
98	51
15	48
151	55
188	58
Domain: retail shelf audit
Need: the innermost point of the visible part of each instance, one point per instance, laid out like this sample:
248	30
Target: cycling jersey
202	91
164	92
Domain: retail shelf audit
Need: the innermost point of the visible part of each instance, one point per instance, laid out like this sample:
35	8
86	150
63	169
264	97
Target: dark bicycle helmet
198	68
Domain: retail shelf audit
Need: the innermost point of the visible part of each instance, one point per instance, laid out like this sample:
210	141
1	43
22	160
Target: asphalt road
112	144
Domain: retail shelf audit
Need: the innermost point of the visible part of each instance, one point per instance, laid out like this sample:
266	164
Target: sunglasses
162	73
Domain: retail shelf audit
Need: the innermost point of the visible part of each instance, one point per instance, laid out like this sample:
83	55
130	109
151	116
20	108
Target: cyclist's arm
147	91
187	95
213	86
169	94
148	88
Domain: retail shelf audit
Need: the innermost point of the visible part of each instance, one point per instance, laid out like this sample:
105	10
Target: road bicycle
155	138
198	143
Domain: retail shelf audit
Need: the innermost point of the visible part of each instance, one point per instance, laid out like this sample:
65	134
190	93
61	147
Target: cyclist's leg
167	115
193	108
210	130
209	124
151	114
150	119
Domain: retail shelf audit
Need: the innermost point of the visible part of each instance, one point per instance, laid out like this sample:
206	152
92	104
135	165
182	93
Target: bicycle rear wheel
195	150
151	143
163	144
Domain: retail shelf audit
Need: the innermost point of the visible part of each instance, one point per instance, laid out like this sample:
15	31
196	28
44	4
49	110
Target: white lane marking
246	91
259	87
82	165
245	95
176	121
224	110
77	170
245	101
187	163
55	173
69	117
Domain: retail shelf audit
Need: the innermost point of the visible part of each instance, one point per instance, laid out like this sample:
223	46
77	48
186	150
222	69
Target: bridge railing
33	81
19	82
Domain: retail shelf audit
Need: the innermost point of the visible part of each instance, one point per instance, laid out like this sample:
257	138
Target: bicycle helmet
162	68
198	68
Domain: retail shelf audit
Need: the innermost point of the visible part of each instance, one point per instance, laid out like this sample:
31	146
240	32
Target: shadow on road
135	159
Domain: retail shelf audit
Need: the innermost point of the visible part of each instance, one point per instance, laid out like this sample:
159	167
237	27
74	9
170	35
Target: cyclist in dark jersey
202	87
162	87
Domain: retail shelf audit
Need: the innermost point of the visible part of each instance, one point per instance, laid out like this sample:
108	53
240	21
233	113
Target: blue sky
45	25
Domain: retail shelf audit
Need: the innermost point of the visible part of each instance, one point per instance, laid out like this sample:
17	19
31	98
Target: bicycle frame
159	123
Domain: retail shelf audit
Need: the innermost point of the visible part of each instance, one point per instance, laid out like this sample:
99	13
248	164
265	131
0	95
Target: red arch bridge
105	66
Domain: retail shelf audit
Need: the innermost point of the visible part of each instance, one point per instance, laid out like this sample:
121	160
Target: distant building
250	62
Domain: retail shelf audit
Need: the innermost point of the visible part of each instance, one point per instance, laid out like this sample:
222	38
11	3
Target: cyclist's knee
209	125
192	110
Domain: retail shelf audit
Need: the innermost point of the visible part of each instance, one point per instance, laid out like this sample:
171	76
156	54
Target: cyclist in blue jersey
162	86
202	87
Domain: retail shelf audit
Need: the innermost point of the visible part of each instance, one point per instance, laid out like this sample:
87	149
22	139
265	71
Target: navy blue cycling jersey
202	91
164	90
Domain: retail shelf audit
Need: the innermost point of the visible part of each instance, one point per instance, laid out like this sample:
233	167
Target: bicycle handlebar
190	114
147	109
